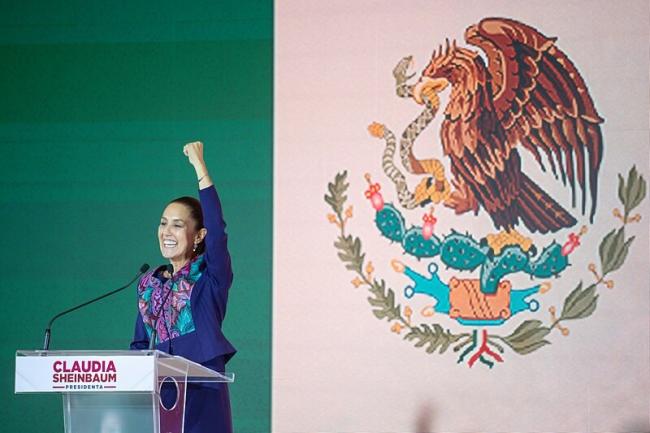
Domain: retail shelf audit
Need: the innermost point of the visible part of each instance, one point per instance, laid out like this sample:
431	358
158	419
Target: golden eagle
530	93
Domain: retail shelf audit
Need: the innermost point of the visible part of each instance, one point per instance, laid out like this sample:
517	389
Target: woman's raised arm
217	256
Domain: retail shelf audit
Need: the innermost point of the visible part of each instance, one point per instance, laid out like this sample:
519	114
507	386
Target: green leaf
379	314
589	309
350	252
356	247
613	250
432	339
391	296
635	190
580	303
533	335
525	350
524	328
383	301
445	345
376	302
637	194
610	248
377	288
354	266
528	337
620	257
337	198
621	189
576	297
571	299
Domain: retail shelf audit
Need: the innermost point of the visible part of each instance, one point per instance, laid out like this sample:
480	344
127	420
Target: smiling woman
181	231
182	305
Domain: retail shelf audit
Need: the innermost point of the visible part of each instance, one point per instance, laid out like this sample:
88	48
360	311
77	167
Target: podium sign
84	373
114	391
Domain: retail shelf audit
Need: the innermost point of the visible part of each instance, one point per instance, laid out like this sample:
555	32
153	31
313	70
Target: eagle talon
429	88
461	200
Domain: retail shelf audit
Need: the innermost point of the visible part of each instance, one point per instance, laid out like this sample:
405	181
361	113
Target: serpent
434	188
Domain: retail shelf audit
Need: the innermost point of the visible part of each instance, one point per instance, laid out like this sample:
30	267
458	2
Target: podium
114	391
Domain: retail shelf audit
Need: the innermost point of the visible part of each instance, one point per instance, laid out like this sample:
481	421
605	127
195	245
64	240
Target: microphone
154	331
46	343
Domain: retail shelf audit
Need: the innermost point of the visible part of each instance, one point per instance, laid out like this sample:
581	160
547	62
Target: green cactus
511	260
463	253
390	223
415	244
549	263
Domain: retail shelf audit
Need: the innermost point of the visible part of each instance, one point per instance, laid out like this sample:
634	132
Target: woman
185	301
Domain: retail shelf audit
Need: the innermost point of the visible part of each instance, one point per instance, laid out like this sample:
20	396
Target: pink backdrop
336	366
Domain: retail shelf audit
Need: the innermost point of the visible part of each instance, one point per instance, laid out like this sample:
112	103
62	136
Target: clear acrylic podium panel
115	412
127	411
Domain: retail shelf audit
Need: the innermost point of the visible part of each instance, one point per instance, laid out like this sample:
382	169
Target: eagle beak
427	87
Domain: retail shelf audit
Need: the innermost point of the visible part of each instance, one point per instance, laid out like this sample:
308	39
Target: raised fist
194	152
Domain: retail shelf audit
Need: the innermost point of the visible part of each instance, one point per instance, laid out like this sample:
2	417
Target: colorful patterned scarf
176	313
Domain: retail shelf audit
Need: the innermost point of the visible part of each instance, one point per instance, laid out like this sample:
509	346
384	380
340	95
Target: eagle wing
542	101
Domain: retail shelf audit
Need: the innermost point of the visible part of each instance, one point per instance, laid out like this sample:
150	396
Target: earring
195	247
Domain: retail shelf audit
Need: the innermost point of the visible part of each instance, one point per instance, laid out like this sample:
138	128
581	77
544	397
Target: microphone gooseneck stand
48	332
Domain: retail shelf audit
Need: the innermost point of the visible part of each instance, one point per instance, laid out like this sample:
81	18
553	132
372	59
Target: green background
97	100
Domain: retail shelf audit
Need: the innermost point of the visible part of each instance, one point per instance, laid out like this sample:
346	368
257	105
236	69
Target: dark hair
196	214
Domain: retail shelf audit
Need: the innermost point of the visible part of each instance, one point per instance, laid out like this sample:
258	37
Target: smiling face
177	234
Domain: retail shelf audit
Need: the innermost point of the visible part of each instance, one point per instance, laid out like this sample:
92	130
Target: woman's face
177	233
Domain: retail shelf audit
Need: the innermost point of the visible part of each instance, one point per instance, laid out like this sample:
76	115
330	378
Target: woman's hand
194	153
